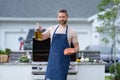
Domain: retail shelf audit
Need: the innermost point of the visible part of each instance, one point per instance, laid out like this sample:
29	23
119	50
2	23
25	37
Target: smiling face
62	18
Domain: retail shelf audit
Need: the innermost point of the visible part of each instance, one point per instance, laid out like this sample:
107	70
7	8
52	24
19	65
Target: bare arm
46	34
75	43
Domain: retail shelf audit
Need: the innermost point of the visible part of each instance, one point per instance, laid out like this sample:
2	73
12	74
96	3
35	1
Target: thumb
38	26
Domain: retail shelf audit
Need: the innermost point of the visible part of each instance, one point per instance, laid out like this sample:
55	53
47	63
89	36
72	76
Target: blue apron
58	63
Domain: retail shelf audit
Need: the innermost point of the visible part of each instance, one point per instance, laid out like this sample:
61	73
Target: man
61	38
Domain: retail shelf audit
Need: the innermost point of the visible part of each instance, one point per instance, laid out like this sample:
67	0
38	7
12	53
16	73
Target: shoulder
72	31
53	27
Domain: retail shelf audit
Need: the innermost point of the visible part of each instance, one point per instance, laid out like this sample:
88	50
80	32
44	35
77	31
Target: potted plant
24	59
4	55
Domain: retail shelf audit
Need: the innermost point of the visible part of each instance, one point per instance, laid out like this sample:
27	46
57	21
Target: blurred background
17	17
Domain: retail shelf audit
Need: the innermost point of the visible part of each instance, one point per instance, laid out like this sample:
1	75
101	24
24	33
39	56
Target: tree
109	16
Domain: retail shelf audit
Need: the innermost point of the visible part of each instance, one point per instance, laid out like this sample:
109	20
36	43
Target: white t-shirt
72	36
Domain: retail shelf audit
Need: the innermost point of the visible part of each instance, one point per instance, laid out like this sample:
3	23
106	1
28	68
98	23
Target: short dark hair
63	11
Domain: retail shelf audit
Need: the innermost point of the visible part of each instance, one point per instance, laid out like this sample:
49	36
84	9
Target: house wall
12	29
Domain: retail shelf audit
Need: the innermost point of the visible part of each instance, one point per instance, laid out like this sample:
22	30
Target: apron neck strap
66	29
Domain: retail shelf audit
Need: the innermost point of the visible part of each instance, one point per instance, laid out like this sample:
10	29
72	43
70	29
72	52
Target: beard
62	22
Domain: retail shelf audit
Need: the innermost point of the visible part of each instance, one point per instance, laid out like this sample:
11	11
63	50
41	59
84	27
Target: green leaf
100	29
100	17
2	52
102	4
115	71
112	35
116	1
106	40
7	50
118	41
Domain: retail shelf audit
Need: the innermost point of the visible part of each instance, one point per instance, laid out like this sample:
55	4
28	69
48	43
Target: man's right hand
38	27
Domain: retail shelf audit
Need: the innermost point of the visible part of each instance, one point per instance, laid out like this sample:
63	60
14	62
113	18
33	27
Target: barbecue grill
40	54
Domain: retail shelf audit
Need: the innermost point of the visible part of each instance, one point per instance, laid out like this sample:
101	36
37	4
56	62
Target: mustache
62	21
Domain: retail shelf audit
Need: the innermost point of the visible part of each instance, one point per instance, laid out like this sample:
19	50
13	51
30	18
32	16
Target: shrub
115	71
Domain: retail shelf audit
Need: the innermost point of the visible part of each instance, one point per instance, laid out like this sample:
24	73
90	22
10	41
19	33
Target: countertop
44	63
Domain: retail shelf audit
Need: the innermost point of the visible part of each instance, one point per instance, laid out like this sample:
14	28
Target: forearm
45	36
76	47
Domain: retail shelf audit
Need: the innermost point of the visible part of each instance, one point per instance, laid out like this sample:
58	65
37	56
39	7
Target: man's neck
63	25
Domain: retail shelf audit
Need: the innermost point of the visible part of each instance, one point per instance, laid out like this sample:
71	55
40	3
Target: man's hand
38	27
69	51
